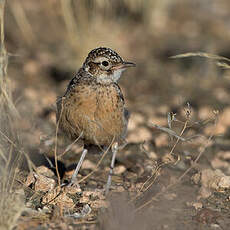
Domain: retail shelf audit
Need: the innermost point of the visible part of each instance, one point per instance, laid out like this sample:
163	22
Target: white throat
117	74
103	78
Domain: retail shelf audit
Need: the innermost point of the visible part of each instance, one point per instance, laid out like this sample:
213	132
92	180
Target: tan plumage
93	104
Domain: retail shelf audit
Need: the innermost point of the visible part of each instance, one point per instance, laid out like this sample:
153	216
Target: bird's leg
114	151
74	176
123	144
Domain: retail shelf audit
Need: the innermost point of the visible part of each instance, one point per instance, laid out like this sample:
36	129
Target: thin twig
169	131
55	147
154	175
186	172
70	146
99	162
181	133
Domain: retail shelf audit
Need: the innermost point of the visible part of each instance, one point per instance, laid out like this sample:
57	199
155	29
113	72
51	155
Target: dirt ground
174	172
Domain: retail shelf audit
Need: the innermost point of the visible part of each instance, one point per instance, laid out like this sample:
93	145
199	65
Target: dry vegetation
174	172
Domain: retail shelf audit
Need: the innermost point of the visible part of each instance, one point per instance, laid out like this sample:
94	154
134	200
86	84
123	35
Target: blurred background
49	40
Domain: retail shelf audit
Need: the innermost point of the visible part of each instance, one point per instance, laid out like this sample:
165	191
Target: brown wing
77	110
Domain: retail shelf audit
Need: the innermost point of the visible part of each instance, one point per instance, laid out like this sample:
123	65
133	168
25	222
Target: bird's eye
105	63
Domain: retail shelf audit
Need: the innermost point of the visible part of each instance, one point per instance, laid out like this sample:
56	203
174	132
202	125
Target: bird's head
105	64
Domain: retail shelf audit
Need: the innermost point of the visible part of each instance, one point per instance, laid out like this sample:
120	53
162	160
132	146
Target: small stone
135	120
58	197
215	226
196	178
224	182
225	155
170	196
30	179
213	180
205	112
143	134
168	159
197	205
87	164
161	140
43	183
119	170
99	204
45	171
40	182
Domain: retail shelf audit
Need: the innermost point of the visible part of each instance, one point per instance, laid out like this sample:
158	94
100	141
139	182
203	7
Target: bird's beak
124	65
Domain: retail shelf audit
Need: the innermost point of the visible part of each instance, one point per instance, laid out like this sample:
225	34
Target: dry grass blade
23	22
169	131
70	22
11	202
55	146
201	54
5	95
68	148
11	206
144	188
223	65
30	163
2	155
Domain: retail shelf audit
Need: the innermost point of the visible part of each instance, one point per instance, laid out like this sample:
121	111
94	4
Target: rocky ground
174	172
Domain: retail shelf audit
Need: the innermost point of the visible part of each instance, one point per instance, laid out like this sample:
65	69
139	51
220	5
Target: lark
93	106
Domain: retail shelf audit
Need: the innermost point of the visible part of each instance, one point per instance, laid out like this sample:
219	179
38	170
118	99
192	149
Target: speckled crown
104	52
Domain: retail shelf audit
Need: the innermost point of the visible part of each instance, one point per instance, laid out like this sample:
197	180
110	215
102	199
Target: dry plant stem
177	181
181	133
201	54
70	22
154	176
9	157
3	52
2	8
197	158
141	191
23	22
31	164
184	174
5	95
9	170
223	65
86	222
2	155
14	175
70	146
59	193
99	162
206	55
55	147
169	131
11	203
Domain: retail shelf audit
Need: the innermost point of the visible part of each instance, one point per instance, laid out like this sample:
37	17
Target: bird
93	106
